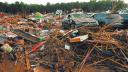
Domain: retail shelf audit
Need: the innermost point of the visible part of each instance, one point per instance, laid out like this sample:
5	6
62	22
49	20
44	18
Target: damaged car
75	20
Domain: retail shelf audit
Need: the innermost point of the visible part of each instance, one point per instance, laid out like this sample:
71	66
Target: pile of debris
33	44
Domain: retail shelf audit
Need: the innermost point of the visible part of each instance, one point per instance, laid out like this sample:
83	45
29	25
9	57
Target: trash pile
40	42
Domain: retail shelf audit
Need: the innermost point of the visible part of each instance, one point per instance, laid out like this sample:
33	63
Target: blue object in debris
77	44
61	68
18	38
75	33
52	68
107	53
44	65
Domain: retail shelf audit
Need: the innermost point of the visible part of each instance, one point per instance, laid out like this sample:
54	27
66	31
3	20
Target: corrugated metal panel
25	35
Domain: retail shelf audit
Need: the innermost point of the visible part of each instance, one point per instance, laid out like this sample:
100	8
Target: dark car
115	20
125	20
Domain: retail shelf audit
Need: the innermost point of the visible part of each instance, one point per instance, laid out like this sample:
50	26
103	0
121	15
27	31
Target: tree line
92	6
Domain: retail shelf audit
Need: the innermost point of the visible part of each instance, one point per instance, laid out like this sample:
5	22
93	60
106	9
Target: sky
45	1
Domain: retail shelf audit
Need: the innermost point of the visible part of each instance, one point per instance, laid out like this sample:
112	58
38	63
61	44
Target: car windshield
78	15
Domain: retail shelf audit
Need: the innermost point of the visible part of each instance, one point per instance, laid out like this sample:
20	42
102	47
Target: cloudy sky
45	1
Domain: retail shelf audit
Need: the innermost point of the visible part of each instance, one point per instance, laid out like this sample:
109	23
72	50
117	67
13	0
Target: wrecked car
125	20
75	20
115	20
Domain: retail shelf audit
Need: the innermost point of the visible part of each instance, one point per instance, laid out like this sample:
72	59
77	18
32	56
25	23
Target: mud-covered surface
10	66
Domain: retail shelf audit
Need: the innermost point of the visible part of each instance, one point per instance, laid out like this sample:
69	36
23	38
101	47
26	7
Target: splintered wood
105	41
